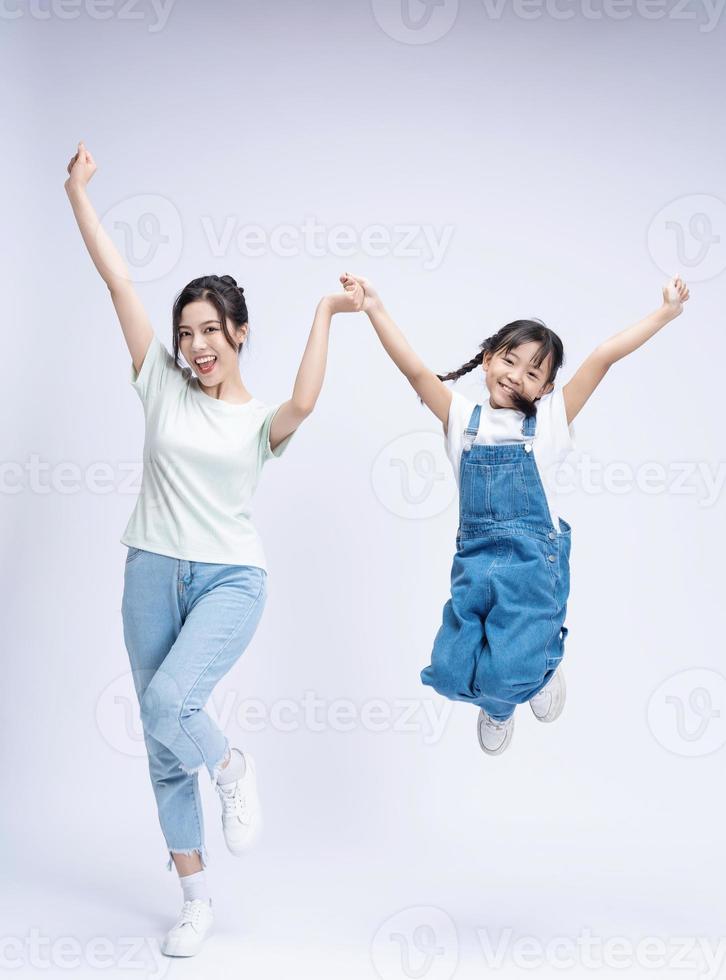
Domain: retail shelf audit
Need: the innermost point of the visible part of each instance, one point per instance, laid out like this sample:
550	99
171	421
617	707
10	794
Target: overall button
552	535
528	447
551	557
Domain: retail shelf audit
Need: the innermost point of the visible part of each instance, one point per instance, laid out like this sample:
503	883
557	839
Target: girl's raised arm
432	391
594	368
135	324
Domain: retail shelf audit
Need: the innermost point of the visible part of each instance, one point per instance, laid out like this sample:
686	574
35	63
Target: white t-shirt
552	443
202	462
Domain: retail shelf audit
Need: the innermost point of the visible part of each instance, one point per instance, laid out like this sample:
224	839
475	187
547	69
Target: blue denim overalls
502	635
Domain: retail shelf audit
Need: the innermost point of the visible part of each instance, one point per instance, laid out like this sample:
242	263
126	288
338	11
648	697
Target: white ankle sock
235	768
194	886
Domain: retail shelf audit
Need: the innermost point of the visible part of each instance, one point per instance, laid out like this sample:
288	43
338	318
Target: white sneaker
494	736
241	816
189	931
547	705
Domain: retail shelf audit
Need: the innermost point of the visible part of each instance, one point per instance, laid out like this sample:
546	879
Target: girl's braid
465	368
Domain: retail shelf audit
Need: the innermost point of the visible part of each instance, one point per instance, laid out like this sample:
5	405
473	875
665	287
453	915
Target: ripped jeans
185	625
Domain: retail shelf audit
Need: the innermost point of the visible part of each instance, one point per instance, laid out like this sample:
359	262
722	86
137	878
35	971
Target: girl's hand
81	168
370	298
349	301
675	294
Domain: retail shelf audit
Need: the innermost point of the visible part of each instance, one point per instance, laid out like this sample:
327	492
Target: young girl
195	578
502	636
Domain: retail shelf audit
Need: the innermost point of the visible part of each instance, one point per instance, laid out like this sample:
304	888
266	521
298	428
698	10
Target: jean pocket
494	492
133	553
553	661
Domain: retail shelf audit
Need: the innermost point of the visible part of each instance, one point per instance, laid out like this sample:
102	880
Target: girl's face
511	371
203	345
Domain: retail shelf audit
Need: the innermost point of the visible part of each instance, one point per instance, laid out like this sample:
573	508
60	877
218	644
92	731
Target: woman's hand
370	299
675	294
81	168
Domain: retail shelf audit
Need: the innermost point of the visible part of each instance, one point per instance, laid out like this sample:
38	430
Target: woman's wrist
74	190
326	306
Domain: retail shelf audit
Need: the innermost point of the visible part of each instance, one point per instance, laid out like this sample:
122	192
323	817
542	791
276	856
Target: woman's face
203	345
514	371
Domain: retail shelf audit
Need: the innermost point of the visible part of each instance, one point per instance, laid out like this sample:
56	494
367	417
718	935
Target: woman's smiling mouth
206	363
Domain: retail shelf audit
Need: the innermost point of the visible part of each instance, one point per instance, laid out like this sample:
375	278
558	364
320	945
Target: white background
575	163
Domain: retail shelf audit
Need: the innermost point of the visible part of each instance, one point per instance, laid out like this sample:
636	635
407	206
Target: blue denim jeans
502	634
185	624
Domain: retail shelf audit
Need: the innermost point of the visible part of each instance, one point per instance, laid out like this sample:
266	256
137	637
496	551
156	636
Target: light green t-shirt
202	461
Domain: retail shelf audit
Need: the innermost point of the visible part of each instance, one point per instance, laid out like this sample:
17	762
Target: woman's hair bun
229	281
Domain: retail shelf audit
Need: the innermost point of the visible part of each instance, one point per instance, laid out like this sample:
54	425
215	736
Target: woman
195	579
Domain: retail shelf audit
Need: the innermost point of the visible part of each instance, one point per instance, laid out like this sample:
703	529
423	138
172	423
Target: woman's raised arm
311	373
135	324
428	386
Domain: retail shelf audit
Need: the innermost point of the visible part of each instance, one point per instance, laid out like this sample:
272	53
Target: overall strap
471	429
529	426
